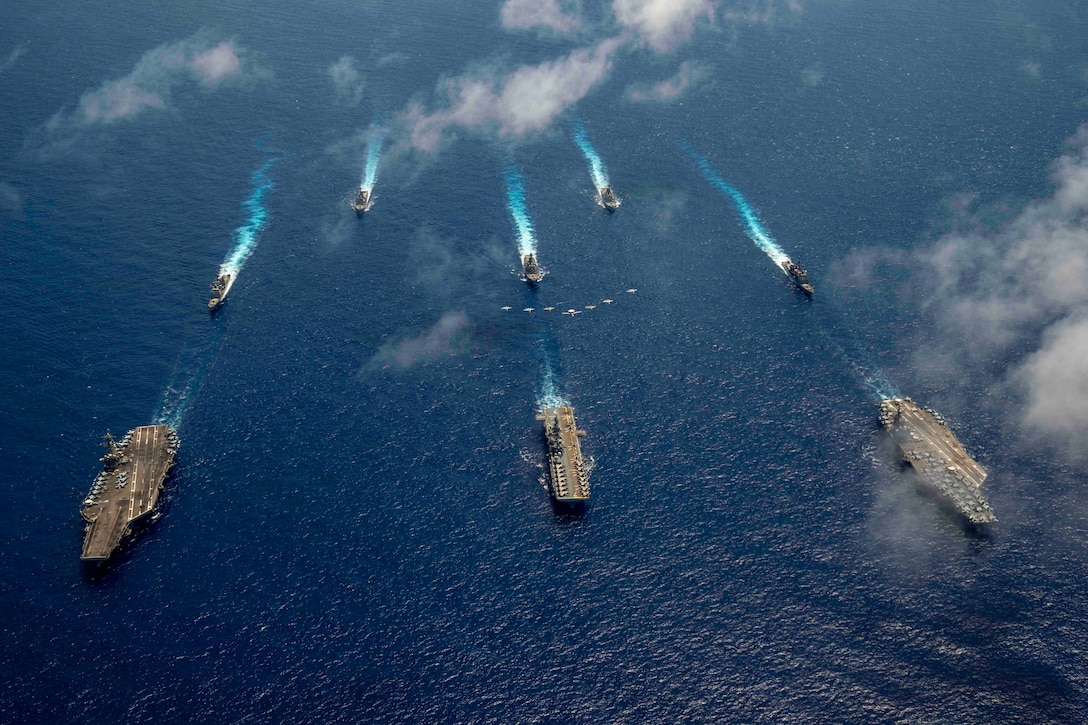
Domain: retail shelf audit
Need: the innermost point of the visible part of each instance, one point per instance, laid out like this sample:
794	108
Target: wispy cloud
662	24
751	12
526	14
149	85
10	60
669	89
347	81
10	198
516	105
1025	286
444	338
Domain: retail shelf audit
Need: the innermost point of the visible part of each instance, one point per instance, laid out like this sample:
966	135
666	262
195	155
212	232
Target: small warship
570	480
942	463
532	269
798	275
128	487
220	288
608	199
362	201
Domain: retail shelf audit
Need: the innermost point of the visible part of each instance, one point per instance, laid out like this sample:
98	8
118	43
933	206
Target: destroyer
798	275
128	487
220	288
570	480
362	201
608	199
532	269
937	455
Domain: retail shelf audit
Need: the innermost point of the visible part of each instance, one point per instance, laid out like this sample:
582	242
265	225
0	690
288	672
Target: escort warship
220	288
362	201
608	199
532	269
798	275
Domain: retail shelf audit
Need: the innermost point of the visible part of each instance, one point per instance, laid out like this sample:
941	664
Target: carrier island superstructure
941	461
570	479
128	487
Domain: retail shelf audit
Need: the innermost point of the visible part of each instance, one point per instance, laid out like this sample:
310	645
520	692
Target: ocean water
358	527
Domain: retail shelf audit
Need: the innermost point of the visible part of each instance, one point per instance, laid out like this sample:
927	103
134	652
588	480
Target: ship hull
220	290
362	202
127	490
567	468
531	269
607	199
944	467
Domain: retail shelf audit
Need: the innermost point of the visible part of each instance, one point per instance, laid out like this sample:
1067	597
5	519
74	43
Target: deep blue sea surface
358	527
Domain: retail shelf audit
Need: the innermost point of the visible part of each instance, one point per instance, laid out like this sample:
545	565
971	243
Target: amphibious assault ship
798	275
362	201
570	480
608	199
937	455
532	269
220	288
127	488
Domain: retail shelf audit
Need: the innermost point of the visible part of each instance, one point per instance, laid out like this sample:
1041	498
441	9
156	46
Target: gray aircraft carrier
570	480
941	461
127	488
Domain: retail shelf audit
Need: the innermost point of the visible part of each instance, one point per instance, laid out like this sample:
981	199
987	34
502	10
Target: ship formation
566	467
362	201
608	199
942	463
128	487
220	288
134	468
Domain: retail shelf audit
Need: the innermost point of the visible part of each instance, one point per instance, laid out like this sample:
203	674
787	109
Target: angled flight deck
127	488
941	461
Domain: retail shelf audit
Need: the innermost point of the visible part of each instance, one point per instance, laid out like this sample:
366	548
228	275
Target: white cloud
1001	291
525	14
517	105
443	338
671	88
150	83
217	64
347	81
1057	382
662	24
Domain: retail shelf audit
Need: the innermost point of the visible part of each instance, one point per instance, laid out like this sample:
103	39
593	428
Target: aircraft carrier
128	487
362	201
570	480
936	454
608	199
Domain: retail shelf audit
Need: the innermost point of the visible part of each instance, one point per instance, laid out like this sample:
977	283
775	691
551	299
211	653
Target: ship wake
519	209
596	166
199	350
256	217
373	154
548	396
756	232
